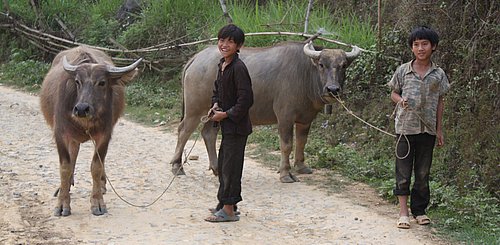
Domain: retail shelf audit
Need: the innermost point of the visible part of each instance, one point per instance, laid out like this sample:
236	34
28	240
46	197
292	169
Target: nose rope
206	118
113	188
354	115
383	131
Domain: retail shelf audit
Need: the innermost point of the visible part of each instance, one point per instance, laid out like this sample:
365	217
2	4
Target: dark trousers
419	160
230	168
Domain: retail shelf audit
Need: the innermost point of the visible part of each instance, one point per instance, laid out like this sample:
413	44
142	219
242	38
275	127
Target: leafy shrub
152	92
100	30
23	72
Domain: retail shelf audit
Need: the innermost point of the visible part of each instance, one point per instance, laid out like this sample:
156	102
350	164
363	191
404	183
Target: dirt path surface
137	165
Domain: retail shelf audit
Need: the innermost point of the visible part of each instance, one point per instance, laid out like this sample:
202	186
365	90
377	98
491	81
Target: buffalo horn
354	53
67	66
122	70
309	51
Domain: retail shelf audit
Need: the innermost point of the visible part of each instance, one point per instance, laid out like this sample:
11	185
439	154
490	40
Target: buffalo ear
315	62
126	78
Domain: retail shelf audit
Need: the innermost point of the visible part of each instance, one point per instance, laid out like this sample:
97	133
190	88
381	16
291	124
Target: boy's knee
399	192
402	188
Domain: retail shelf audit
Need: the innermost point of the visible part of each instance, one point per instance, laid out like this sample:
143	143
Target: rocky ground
137	165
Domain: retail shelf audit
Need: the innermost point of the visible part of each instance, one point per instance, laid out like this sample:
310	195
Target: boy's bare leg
403	205
229	210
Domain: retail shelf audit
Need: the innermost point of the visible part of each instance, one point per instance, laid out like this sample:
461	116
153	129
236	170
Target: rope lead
383	131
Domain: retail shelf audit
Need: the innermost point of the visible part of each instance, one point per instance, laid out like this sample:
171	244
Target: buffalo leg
301	132
286	144
186	128
97	204
209	134
67	158
74	148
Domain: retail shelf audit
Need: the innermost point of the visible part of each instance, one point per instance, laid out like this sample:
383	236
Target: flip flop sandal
214	210
221	216
403	222
423	220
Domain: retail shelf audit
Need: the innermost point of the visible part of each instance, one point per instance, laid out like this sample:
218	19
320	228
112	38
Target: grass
23	72
152	101
289	16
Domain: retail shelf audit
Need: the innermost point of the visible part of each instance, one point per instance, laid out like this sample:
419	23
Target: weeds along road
137	165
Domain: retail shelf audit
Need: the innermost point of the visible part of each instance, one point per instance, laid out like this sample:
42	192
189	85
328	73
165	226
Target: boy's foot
221	216
214	210
403	222
423	220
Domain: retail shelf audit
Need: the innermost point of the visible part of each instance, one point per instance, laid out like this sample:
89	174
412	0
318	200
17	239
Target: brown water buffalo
291	84
83	95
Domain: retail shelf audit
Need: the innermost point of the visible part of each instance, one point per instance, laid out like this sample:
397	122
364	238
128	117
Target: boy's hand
440	138
403	103
219	115
212	110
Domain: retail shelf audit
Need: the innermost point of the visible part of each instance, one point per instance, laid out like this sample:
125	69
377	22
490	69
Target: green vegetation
23	70
153	101
465	176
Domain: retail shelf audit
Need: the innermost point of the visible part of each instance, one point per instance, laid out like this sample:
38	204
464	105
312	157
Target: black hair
233	32
423	32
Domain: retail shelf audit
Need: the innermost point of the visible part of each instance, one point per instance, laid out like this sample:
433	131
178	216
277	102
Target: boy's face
422	49
227	47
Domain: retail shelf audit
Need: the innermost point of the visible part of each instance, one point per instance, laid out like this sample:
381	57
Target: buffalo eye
101	83
321	65
78	82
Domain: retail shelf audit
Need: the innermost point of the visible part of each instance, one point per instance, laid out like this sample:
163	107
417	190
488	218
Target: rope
383	131
354	115
394	113
159	196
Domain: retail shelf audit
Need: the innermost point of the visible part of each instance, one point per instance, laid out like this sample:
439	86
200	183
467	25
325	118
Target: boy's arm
244	94
215	94
396	98
439	121
395	85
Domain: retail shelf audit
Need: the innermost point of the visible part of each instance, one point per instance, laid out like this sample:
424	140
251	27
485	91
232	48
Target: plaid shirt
423	96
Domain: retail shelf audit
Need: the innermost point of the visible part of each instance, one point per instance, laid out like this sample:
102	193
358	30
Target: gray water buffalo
82	97
291	83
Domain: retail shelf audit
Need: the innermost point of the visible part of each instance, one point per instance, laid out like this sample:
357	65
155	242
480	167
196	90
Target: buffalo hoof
177	169
62	212
305	170
289	178
214	171
99	211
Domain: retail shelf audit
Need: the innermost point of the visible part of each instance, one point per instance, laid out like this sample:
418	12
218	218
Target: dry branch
306	22
224	10
65	28
119	45
55	43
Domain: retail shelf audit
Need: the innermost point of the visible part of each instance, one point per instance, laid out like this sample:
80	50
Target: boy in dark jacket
231	100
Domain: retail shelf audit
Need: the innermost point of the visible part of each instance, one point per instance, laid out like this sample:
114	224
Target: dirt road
137	165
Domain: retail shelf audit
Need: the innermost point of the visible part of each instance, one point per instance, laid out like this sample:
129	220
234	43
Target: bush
22	71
